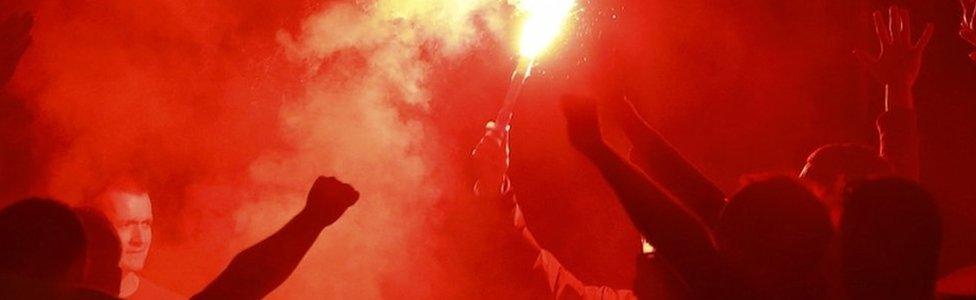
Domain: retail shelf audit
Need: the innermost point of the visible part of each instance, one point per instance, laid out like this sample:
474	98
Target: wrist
310	217
899	96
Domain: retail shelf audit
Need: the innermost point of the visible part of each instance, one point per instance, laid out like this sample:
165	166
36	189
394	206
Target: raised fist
329	198
14	39
582	123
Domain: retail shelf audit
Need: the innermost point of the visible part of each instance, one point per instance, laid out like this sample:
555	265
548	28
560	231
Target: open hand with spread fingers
968	31
900	59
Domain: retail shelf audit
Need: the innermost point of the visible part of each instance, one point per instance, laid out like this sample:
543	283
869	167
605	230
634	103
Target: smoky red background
184	94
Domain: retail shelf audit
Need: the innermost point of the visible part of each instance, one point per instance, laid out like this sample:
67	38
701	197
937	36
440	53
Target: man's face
131	213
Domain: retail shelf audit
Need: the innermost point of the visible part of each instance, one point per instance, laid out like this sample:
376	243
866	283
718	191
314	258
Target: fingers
580	114
899	30
322	180
972	15
332	189
491	128
495	134
495	142
906	31
505	136
578	107
968	31
926	37
881	29
894	24
968	13
582	122
967	19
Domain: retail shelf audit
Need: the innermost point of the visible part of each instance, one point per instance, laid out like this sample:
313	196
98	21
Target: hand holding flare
544	21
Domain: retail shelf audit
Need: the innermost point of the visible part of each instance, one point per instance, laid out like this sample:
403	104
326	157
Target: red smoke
226	110
180	95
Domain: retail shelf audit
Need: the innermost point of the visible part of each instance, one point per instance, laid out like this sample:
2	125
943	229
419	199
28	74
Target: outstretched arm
665	165
260	269
547	273
968	31
897	66
14	39
676	233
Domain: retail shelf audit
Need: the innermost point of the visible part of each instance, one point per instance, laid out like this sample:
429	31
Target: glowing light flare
544	21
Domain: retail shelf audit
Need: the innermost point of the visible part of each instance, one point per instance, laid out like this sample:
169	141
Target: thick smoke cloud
368	66
227	110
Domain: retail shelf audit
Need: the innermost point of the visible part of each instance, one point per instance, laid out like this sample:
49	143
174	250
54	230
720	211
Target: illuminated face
131	213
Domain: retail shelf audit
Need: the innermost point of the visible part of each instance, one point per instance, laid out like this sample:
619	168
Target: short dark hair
780	222
891	231
855	161
100	200
104	250
41	239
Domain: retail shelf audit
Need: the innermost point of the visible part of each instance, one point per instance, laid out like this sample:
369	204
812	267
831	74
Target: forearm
676	233
899	96
650	209
667	167
546	273
258	270
898	132
561	283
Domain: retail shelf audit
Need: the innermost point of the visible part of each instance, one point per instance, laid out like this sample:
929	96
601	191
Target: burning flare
544	22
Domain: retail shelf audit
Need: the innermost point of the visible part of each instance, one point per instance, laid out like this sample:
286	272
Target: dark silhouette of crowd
52	251
854	223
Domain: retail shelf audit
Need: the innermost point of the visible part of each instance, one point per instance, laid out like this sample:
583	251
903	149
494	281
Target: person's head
775	232
102	272
41	240
129	209
831	167
891	234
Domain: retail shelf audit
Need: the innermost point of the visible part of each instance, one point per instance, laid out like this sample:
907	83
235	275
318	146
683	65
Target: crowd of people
854	223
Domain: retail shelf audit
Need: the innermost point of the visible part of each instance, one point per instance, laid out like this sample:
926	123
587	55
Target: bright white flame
544	20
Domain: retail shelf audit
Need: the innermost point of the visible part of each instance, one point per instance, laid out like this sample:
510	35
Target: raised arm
665	165
14	39
968	31
260	269
897	66
677	234
491	161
